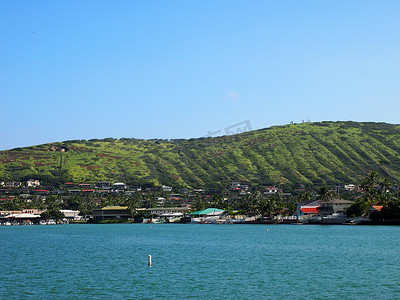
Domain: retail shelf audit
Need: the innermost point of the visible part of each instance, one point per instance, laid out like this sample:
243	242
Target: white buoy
149	263
267	229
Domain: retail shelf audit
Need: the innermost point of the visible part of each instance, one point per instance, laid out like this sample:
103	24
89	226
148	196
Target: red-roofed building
310	210
373	209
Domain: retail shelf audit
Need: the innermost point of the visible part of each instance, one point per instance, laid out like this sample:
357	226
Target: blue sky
181	69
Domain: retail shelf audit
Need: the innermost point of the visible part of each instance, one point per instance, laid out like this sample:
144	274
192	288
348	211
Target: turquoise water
199	261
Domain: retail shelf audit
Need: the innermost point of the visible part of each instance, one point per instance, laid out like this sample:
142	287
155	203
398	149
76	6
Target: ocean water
199	262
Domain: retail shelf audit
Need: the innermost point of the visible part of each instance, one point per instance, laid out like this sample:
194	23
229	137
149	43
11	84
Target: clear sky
181	69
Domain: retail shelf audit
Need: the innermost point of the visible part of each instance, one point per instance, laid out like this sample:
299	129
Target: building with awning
20	217
171	215
308	209
208	215
71	214
26	216
208	212
167	211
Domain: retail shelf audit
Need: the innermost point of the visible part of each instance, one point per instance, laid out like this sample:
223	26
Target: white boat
51	222
42	222
337	218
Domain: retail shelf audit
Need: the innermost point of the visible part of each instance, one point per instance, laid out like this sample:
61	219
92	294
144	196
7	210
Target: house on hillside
271	190
104	185
235	186
166	188
119	187
350	187
12	184
32	183
85	185
160	200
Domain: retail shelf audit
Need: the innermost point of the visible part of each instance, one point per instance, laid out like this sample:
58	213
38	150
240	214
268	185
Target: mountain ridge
285	155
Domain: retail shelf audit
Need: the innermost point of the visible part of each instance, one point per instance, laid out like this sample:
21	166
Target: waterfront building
71	214
308	209
163	211
374	208
111	212
207	215
208	212
335	206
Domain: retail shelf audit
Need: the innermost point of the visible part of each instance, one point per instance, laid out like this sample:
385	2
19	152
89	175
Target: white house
71	214
271	190
166	188
160	211
350	187
235	186
104	185
32	183
119	187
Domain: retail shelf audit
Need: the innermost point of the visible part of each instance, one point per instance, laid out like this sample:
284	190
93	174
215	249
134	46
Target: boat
336	218
160	221
221	221
51	222
42	222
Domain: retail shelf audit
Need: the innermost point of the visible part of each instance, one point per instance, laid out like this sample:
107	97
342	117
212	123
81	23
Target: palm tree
368	185
325	194
385	185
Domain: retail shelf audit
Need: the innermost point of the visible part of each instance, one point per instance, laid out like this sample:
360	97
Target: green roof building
208	212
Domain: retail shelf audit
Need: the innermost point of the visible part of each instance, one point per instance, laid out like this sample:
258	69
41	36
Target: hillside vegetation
286	156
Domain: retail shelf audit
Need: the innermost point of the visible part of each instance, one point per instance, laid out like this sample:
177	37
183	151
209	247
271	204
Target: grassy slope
311	153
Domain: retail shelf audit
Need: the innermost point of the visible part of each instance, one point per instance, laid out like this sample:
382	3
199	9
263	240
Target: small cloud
232	95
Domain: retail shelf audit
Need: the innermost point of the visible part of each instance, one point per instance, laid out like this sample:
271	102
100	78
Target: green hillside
310	153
